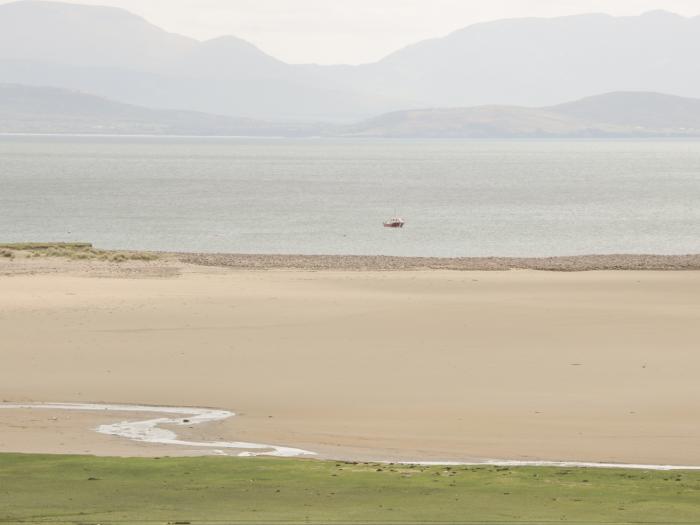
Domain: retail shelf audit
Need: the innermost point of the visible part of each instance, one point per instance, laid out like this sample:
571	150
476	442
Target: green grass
70	250
73	489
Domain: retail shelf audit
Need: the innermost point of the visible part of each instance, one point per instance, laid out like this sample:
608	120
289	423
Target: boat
394	222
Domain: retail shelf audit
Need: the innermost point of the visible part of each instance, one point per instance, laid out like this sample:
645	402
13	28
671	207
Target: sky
356	31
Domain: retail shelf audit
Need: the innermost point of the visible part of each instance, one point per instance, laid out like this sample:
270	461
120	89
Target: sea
459	198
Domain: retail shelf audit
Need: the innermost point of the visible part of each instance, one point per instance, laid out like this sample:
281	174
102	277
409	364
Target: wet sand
397	365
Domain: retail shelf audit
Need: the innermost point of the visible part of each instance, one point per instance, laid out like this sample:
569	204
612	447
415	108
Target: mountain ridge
533	62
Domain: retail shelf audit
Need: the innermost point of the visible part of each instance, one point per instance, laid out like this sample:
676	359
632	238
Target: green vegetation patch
73	489
39	246
70	250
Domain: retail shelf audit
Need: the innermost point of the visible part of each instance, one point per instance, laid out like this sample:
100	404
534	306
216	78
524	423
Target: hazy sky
355	31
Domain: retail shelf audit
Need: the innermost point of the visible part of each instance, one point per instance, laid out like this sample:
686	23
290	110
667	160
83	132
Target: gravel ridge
387	263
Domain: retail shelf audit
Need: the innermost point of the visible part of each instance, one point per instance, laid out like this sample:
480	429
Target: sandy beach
358	363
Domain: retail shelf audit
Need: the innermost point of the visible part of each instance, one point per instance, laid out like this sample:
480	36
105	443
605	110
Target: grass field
89	490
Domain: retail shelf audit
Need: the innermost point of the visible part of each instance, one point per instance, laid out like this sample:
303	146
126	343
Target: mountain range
531	62
30	109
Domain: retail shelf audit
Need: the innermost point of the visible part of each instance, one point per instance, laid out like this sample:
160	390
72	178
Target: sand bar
429	365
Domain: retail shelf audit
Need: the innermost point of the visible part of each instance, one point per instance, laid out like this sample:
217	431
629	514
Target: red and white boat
395	222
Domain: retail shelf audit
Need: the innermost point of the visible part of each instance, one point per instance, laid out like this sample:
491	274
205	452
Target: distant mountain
82	35
610	115
527	62
544	61
476	122
31	109
642	111
114	54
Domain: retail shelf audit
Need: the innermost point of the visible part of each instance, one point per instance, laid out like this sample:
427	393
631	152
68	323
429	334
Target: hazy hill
476	122
31	109
609	115
527	62
639	110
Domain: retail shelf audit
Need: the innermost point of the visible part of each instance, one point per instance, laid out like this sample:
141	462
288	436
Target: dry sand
430	364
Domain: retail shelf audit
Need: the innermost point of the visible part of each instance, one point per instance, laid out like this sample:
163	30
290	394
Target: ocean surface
458	198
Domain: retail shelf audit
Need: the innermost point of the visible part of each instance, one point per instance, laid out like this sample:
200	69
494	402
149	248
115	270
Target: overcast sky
356	31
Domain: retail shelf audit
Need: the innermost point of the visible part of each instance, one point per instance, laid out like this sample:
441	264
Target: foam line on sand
151	431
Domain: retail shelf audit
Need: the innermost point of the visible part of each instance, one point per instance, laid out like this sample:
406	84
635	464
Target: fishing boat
395	222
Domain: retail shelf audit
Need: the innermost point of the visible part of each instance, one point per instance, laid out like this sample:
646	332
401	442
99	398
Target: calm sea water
459	198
